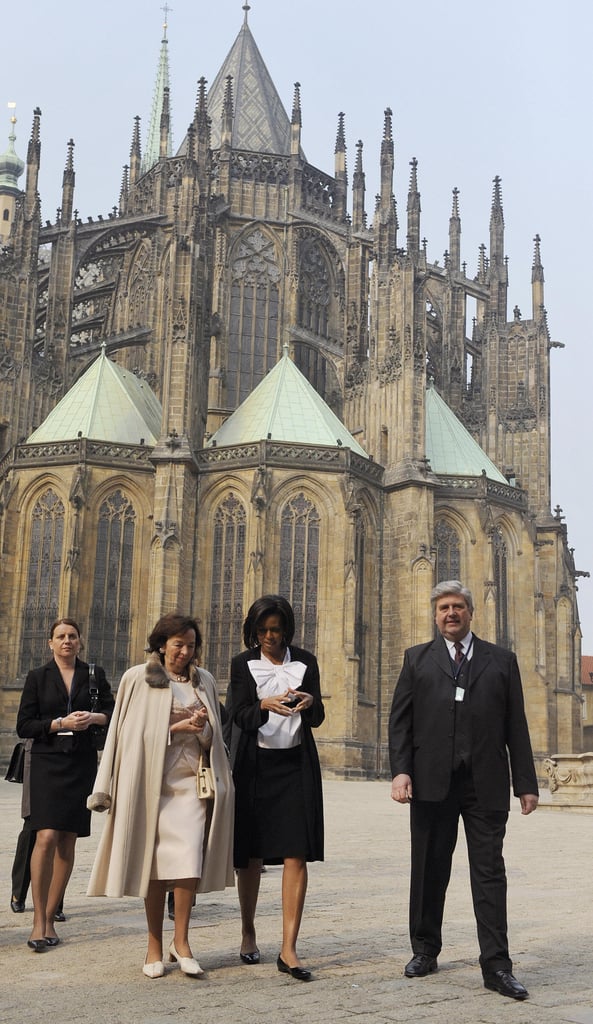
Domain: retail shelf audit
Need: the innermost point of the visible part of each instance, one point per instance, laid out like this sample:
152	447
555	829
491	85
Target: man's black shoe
420	965
17	906
506	984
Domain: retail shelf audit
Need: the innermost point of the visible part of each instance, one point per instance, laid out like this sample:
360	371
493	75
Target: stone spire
358	192
537	282
68	180
159	128
414	210
135	152
455	233
341	173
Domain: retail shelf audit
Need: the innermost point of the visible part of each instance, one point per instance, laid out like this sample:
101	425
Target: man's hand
529	802
401	789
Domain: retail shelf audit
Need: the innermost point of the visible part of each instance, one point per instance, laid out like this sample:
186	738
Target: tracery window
299	565
226	589
43	578
253	323
448	555
314	289
499	555
110	617
361	627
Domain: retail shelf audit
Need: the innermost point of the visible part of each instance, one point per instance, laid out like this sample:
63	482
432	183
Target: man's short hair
451	587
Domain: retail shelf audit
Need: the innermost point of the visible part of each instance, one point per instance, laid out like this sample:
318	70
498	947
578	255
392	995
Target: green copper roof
107	403
260	122
450	448
285	407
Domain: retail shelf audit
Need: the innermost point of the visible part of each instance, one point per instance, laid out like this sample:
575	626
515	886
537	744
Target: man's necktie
458	652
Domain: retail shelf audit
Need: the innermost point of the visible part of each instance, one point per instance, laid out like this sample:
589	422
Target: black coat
247	717
421	724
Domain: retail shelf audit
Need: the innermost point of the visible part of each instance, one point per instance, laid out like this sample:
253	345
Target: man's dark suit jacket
421	724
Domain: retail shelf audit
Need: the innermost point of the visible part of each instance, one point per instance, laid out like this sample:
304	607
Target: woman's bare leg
294	890
62	869
248	880
42	866
183	891
154	906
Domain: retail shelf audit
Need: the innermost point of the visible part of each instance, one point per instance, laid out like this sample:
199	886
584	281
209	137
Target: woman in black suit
55	712
276	701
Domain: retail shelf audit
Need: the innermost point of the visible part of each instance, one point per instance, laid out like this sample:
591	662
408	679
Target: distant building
235	384
587	684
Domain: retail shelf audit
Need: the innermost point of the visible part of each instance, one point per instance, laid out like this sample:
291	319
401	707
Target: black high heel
37	945
300	973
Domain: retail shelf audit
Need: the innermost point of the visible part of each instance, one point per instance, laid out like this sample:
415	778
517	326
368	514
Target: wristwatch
59	721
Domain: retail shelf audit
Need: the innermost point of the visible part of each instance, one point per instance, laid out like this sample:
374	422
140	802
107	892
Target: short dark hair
63	622
173	624
269	604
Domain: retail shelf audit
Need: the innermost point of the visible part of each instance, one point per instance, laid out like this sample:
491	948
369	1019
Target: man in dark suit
457	718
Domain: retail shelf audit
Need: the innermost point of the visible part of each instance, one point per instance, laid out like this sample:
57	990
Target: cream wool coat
128	785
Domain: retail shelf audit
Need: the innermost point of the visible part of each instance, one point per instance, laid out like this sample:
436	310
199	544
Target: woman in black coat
55	712
275	699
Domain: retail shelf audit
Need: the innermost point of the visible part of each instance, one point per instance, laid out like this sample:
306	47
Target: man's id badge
459	693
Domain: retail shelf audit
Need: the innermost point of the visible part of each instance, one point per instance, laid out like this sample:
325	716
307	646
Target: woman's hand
77	721
286	704
192	722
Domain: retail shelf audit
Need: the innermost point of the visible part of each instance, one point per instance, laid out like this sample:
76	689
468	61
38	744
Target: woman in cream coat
158	834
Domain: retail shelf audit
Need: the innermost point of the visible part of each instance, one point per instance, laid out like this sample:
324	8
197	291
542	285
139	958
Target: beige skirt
179	845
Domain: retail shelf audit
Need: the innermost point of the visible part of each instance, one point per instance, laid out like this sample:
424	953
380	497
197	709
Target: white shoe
154	970
187	963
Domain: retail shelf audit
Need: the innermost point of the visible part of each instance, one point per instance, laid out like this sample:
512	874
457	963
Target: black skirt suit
278	793
63	767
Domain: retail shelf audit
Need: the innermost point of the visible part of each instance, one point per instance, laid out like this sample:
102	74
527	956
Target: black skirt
279	825
61	781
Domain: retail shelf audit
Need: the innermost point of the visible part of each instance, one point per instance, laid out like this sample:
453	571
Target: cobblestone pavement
354	935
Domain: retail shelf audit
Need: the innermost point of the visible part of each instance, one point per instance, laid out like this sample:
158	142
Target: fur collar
156	676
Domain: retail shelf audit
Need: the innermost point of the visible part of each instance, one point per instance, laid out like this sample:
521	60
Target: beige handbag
204	779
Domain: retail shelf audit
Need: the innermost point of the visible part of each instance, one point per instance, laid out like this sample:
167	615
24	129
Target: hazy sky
476	90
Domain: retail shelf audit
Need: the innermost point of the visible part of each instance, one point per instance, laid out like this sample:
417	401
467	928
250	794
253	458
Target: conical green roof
450	448
285	407
107	403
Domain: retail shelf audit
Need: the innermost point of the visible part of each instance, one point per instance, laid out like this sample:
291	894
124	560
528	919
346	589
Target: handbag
98	732
16	768
204	779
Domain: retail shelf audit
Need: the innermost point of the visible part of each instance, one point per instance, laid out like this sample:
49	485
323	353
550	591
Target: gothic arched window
299	565
253	322
499	557
315	289
448	557
43	578
361	626
226	589
109	620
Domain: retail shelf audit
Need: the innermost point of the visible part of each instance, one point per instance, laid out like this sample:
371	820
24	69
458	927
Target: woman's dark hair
269	604
173	624
63	622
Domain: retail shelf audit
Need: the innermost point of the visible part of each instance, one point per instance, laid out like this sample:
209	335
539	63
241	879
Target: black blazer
45	698
421	724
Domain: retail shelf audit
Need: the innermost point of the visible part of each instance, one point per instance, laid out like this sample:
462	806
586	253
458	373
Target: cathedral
242	381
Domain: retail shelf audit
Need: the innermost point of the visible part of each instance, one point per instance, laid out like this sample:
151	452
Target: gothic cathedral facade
220	260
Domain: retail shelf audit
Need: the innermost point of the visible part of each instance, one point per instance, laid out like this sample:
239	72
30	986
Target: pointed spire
414	210
496	225
296	121
33	162
11	168
155	141
165	139
124	191
68	180
537	282
135	152
455	233
340	171
358	191
227	112
387	214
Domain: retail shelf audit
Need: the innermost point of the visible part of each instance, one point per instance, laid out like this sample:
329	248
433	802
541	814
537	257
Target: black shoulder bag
98	732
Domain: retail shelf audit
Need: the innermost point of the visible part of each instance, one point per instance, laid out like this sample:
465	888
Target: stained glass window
224	638
299	565
110	615
43	579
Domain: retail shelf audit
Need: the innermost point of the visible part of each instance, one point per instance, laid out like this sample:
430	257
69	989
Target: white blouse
279	732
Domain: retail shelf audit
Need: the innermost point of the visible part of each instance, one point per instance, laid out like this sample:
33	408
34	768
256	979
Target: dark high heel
250	958
37	945
52	940
300	973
